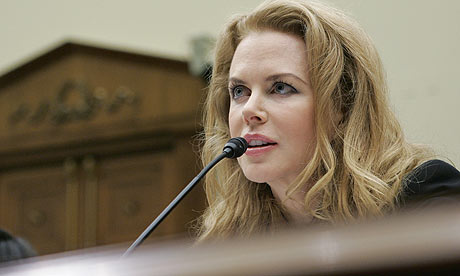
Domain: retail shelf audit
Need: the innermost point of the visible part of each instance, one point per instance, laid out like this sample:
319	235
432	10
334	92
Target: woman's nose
254	111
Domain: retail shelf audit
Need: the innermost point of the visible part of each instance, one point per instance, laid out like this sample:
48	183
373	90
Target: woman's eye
238	92
283	88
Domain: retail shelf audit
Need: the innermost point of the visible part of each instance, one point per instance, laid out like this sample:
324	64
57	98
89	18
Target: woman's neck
293	205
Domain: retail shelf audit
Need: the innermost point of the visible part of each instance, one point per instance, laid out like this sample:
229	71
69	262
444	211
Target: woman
305	86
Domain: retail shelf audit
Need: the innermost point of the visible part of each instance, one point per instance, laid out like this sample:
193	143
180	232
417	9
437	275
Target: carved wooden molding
61	110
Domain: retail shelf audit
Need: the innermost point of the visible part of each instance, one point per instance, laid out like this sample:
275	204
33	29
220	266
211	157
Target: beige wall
418	40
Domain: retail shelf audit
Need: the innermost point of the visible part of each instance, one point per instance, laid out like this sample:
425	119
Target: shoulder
432	179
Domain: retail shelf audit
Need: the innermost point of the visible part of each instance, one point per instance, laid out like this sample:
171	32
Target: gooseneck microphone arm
234	148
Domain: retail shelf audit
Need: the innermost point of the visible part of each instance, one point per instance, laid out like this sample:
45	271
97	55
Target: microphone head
235	147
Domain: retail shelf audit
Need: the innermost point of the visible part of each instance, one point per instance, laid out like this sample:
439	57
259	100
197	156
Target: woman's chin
257	177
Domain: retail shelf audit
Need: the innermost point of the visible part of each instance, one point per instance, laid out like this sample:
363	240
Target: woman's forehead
272	51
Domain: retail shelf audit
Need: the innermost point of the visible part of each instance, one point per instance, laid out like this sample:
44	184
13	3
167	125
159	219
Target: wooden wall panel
131	193
41	205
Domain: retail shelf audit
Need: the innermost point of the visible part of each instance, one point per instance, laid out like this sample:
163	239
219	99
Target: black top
433	182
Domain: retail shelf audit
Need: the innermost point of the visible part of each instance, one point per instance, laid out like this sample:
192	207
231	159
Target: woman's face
271	106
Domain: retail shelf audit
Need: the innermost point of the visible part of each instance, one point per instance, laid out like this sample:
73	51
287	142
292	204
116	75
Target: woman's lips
256	150
254	136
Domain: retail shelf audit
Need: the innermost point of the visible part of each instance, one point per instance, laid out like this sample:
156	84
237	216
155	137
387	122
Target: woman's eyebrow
269	78
236	80
277	76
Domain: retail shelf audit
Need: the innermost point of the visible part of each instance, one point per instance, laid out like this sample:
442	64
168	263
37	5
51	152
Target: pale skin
272	103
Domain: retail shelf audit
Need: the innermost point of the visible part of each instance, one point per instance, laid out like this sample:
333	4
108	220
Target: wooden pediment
78	95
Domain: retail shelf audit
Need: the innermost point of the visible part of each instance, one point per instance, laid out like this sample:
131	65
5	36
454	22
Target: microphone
234	148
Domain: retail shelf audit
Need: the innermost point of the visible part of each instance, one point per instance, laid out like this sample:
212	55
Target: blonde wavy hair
358	171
